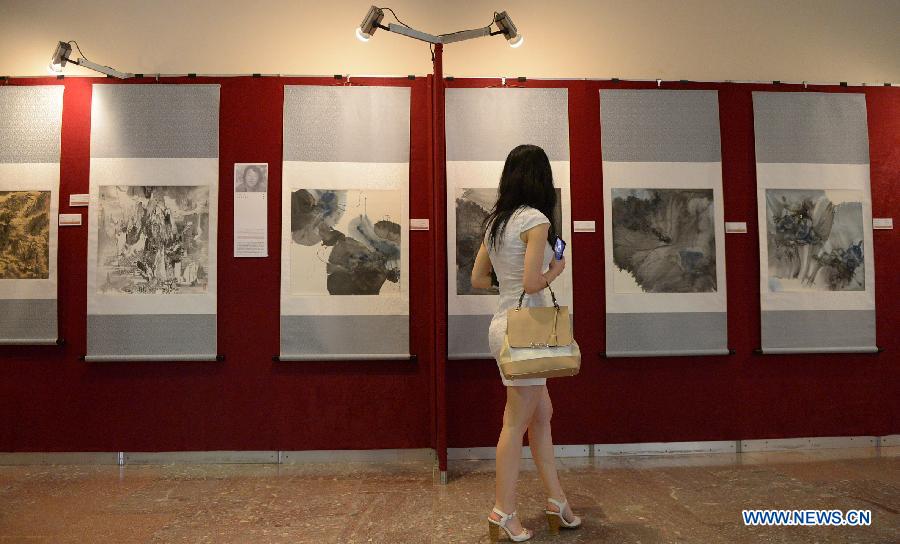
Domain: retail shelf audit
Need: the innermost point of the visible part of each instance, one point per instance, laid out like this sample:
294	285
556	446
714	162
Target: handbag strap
552	295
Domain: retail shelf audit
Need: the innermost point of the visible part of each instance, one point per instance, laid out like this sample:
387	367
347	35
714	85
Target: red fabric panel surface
743	396
52	401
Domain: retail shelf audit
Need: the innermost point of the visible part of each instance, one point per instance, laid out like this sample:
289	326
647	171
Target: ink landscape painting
153	240
24	235
473	205
664	241
815	240
345	242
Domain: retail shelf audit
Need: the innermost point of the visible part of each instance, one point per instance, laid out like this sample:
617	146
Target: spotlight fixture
372	22
61	55
508	29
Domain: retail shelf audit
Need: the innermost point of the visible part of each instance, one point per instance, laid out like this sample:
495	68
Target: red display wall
52	401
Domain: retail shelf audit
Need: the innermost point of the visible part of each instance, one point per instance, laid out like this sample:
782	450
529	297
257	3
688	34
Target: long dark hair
527	180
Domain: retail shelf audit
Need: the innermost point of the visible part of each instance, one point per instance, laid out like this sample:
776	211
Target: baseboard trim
456	454
201	457
474	454
810	443
60	458
359	456
665	448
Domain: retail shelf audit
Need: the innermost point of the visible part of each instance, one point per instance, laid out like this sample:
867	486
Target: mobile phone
559	248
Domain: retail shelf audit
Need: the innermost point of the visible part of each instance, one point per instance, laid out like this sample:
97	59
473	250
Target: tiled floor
695	498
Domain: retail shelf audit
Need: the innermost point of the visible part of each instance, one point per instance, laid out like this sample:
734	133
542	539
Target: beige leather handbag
539	343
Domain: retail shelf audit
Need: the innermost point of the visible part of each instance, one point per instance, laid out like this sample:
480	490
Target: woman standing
518	245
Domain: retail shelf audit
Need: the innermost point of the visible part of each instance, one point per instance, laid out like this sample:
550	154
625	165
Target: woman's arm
535	244
481	272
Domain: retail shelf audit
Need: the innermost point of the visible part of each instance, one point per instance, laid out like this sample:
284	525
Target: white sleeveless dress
508	260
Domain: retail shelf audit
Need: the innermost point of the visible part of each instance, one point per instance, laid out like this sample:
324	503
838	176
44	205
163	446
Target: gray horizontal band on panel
28	341
822	128
818	331
346	124
30	123
667	333
318	336
467	337
789	351
660	126
174	357
486	124
469	356
347	357
155	121
669	353
164	337
22	320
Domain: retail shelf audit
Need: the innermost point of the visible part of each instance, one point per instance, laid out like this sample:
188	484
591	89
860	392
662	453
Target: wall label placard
585	226
883	223
735	227
79	200
70	220
418	224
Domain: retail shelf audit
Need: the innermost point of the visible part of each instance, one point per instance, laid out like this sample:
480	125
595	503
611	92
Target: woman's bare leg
520	406
540	440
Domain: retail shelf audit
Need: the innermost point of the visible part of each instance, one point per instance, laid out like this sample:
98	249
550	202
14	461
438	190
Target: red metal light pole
440	260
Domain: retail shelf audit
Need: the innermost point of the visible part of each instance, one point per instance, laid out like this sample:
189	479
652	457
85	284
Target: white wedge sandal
494	527
555	520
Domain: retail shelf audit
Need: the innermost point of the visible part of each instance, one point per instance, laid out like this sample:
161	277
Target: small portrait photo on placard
251	178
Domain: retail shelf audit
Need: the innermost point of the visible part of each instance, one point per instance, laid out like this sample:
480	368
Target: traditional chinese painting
153	239
664	240
24	234
345	242
815	240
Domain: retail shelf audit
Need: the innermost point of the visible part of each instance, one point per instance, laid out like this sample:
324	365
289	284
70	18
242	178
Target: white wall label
418	224
584	226
79	200
251	193
886	223
70	220
736	227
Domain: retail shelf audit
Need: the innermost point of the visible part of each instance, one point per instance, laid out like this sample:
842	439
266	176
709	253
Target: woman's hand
556	268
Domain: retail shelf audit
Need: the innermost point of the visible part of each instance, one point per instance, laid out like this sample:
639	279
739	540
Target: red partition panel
743	396
52	401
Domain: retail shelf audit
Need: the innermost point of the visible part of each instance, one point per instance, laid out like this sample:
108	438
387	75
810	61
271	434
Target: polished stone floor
696	498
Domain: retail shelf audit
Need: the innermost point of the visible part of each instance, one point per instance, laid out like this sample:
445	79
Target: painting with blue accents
815	240
345	242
